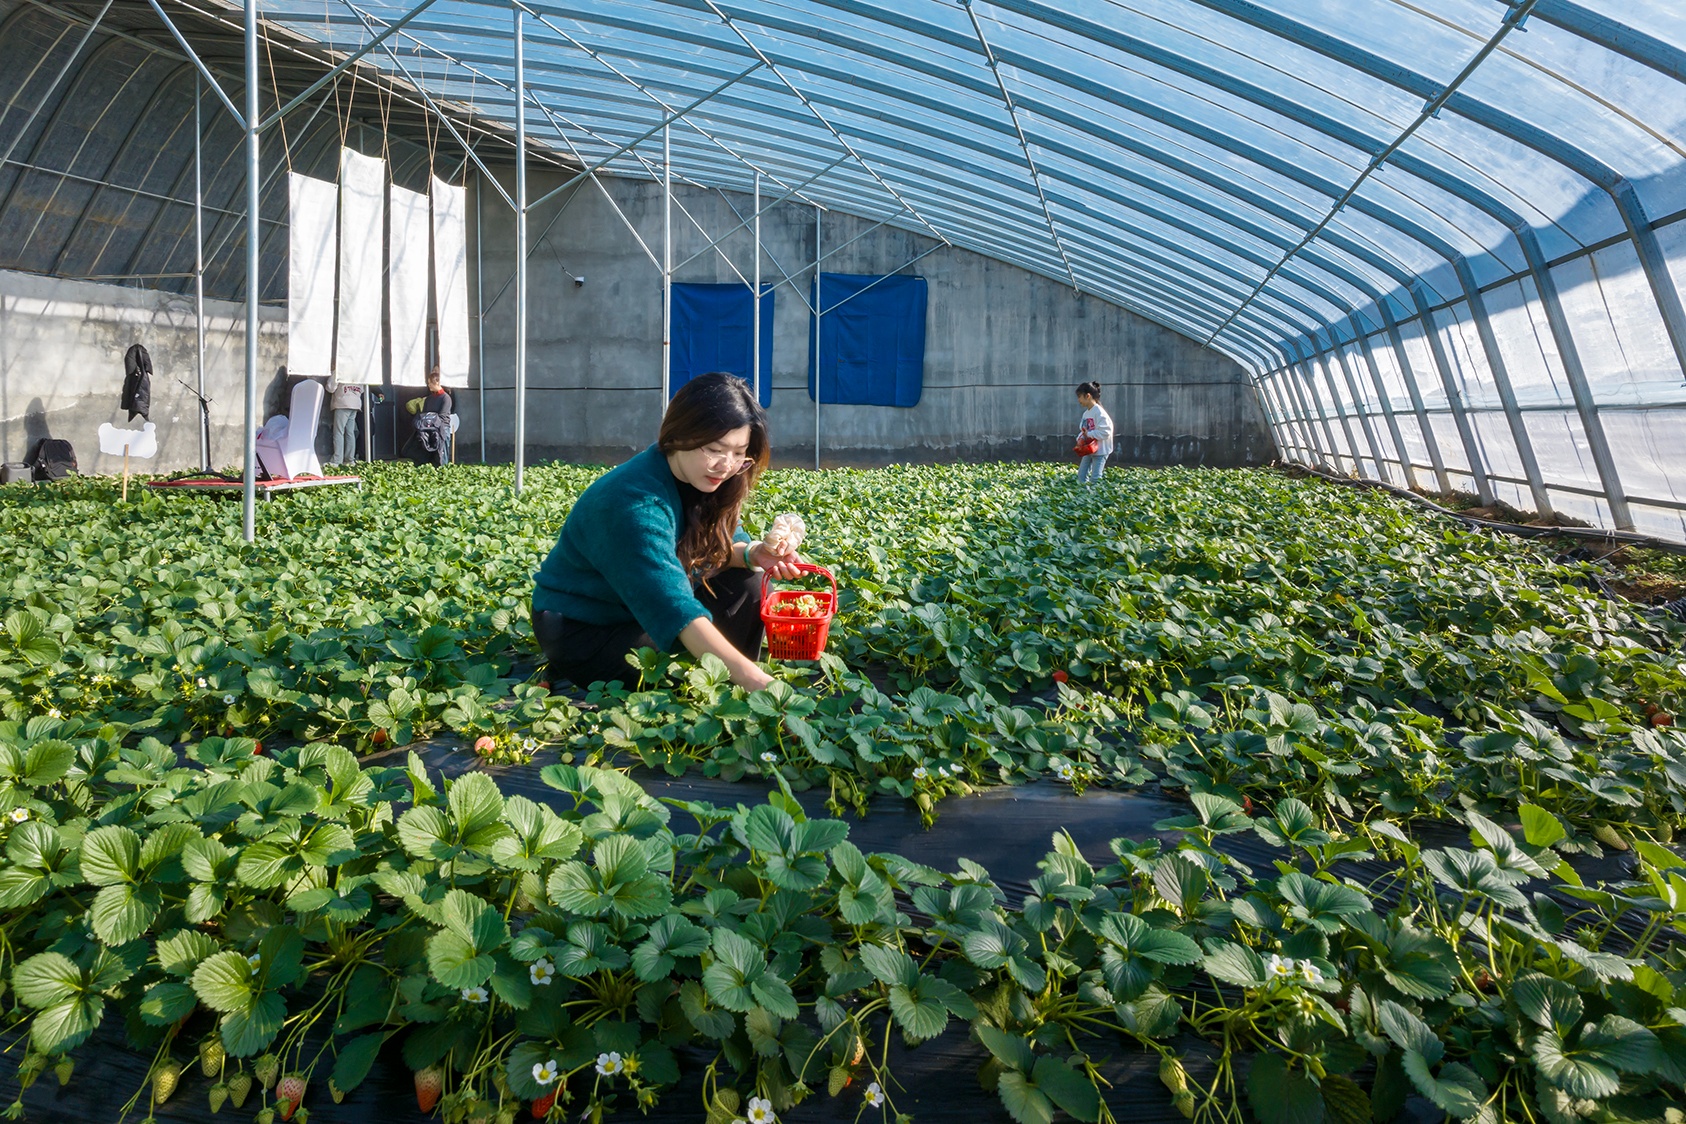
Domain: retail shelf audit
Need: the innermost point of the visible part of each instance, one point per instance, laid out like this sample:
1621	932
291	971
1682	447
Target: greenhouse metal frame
1445	243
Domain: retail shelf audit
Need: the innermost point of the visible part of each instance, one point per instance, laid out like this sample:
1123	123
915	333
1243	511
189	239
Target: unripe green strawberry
268	1068
839	1080
265	1116
1183	1102
289	1091
30	1068
1172	1074
218	1097
211	1055
63	1071
239	1088
1606	834
303	1116
164	1081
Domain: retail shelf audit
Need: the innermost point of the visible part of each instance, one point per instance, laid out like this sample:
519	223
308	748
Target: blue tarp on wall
872	340
711	329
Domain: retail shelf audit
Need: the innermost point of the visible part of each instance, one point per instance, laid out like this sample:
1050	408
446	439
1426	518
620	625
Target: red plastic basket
792	637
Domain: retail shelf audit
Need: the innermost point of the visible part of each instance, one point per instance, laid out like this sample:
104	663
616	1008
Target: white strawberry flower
254	962
201	682
1311	972
874	1095
769	757
546	1072
228	700
476	994
610	1063
54	713
956	768
19	815
761	1111
541	971
1279	968
920	773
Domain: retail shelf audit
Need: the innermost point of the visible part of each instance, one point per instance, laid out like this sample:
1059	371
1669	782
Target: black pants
590	653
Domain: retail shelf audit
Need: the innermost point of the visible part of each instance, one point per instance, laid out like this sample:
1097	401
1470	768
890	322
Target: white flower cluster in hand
1287	969
786	534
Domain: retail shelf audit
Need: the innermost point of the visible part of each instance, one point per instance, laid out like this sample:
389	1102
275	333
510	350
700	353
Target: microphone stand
204	421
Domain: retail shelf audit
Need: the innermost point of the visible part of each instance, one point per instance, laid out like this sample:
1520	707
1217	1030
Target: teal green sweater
617	557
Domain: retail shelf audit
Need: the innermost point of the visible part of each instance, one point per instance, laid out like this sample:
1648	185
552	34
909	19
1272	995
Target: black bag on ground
54	459
433	438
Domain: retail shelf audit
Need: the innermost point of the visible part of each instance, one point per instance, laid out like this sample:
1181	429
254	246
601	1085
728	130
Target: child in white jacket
1096	423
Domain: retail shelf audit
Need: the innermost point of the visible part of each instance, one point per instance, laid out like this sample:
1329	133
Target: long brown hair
703	411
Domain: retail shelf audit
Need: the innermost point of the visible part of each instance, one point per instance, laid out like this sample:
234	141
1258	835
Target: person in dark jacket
653	554
137	382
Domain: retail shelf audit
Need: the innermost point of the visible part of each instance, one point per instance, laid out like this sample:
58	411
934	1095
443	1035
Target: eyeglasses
730	462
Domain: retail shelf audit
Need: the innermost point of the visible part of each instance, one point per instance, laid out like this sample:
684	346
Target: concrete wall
1004	347
61	368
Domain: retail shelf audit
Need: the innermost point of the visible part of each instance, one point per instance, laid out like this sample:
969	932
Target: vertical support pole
1320	363
1295	374
818	305
755	338
1651	259
1300	423
1454	399
520	251
667	267
1393	430
1282	424
249	484
480	306
1364	421
199	272
368	424
1573	369
1501	380
1403	358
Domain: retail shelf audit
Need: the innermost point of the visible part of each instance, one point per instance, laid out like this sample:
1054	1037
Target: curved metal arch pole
520	250
1318	360
1402	358
1500	371
1338	349
1655	265
199	274
249	480
1454	397
1585	404
1386	400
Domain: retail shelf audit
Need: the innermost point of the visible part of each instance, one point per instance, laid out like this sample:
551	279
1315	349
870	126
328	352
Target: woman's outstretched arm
702	636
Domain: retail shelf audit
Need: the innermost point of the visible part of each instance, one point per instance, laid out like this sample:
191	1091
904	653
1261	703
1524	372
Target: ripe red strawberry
541	1107
1662	718
289	1091
257	749
429	1083
378	737
1061	676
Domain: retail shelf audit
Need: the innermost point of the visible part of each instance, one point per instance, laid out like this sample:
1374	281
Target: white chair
286	446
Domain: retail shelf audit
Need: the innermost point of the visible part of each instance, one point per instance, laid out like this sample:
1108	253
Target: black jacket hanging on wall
137	382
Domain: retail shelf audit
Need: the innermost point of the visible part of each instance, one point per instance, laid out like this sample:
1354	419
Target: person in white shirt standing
1096	426
347	401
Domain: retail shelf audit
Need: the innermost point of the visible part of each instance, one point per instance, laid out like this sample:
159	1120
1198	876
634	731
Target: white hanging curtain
312	238
363	215
407	287
450	279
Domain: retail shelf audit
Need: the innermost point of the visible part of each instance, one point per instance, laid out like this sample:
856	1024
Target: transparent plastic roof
1245	172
